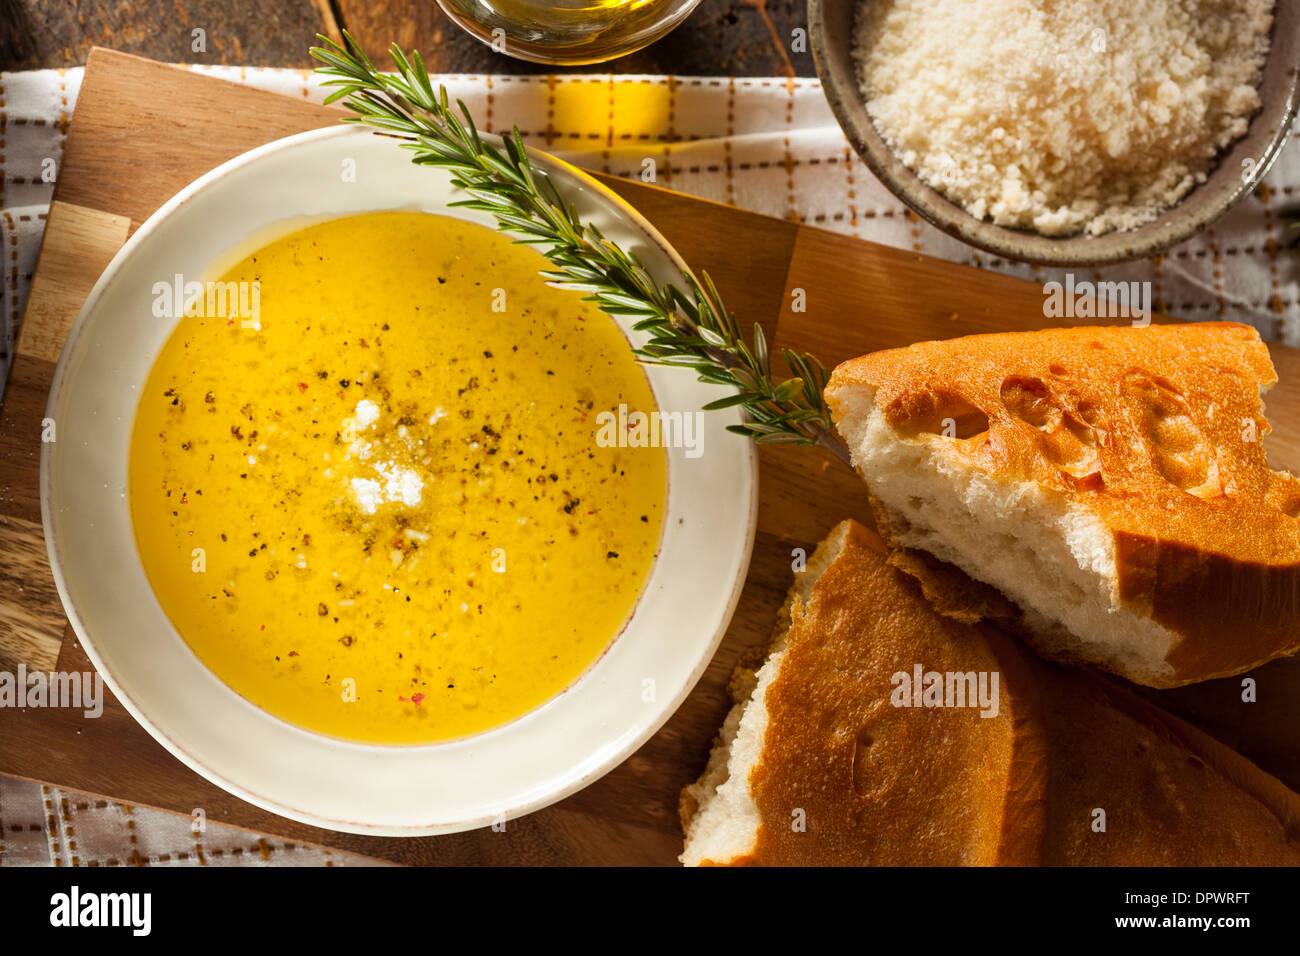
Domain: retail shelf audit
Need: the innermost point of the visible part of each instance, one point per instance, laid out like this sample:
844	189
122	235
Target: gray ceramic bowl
831	31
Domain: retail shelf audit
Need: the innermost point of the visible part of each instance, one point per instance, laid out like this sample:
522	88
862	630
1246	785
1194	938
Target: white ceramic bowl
601	719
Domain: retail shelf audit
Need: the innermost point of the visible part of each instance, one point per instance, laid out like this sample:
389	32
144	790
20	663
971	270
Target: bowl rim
611	758
455	12
1022	245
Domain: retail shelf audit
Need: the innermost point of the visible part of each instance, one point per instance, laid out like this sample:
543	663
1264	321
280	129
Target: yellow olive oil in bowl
361	458
567	31
378	508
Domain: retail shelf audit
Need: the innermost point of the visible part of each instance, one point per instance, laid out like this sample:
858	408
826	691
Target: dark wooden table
721	38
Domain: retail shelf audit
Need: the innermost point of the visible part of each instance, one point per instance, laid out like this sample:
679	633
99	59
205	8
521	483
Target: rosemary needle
688	327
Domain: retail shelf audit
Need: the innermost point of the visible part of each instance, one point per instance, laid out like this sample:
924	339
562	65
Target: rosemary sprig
689	328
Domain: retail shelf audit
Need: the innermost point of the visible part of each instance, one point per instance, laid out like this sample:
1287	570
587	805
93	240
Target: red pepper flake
415	699
302	386
185	499
264	627
293	653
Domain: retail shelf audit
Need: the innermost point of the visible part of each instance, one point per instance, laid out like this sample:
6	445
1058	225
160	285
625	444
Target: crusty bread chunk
1111	482
818	764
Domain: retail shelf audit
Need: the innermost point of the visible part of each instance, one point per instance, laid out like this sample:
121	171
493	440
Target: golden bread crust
877	784
872	782
1158	433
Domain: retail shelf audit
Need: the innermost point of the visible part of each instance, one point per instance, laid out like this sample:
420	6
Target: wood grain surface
721	38
38	34
134	114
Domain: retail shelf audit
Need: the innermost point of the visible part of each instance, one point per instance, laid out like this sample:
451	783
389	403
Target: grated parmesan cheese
1062	116
394	483
366	414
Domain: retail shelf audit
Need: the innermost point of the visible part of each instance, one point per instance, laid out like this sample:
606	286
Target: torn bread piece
820	763
1111	482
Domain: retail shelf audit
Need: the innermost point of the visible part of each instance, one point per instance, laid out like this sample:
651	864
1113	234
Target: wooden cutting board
143	130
